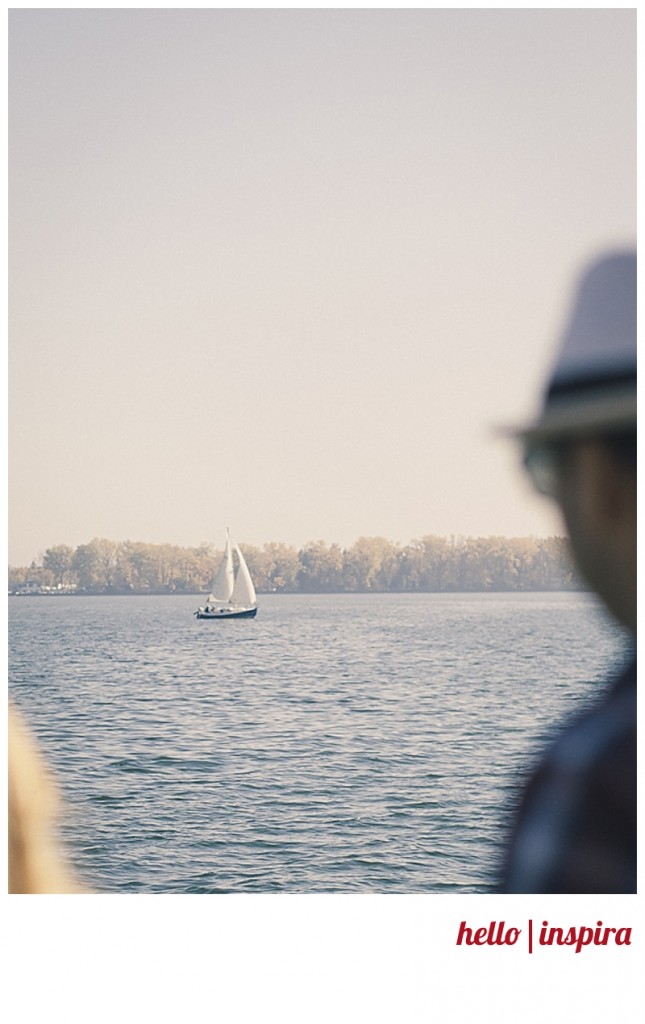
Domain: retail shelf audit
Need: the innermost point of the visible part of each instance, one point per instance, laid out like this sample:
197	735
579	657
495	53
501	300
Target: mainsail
224	579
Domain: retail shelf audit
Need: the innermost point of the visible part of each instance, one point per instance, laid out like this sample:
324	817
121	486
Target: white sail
244	591
224	579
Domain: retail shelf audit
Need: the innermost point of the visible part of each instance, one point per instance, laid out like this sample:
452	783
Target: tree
59	561
137	566
321	568
370	565
428	565
274	569
96	564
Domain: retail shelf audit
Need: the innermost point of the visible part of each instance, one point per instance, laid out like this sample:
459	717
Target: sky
288	270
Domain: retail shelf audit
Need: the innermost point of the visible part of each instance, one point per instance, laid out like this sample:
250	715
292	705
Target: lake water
350	744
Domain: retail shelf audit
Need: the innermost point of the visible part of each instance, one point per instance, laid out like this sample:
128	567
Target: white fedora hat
592	387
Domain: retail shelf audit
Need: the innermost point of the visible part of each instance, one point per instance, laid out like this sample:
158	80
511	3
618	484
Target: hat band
580	385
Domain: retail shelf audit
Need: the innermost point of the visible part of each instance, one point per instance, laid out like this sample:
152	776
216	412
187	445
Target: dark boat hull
246	613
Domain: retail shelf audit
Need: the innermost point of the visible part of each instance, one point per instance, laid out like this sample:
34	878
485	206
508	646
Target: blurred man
576	827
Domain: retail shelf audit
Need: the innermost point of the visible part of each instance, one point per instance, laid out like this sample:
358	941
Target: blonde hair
36	860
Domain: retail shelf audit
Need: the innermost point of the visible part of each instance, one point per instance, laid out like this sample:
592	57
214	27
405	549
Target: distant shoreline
430	564
579	588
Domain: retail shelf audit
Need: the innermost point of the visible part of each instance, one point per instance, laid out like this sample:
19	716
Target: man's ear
612	488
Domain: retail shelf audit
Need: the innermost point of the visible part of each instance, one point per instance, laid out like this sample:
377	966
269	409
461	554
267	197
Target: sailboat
233	594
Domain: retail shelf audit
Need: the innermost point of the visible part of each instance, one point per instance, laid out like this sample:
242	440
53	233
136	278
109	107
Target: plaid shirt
576	827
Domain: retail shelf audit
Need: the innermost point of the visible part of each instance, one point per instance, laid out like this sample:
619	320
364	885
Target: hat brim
582	416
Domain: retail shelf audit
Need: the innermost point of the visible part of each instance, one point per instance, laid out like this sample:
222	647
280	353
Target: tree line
430	564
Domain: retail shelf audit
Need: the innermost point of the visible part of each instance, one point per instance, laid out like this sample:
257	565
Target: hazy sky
286	269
